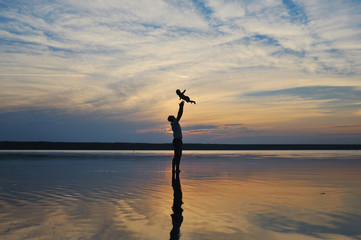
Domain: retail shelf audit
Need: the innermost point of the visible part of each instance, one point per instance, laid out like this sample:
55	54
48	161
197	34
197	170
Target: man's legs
173	163
178	145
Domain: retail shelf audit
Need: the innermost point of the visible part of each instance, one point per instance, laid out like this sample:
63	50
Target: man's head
178	91
171	118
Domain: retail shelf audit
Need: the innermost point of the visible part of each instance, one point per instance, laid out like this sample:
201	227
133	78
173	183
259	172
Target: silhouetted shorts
177	144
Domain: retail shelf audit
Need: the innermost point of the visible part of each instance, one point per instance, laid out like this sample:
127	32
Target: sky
271	71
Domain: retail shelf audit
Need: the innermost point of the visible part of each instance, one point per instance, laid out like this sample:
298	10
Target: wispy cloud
296	12
339	93
124	59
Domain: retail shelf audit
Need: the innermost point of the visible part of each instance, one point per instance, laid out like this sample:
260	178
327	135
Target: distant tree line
42	145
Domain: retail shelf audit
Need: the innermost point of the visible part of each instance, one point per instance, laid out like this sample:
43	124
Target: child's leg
187	99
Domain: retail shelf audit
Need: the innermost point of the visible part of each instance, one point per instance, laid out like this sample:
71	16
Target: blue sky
275	71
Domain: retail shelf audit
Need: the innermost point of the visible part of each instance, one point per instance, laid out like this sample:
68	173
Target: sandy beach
218	195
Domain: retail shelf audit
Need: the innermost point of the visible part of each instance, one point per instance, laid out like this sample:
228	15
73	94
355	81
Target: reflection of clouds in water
100	213
256	208
59	220
249	196
344	224
144	212
228	195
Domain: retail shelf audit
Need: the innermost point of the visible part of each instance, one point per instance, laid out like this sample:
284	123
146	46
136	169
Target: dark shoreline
43	145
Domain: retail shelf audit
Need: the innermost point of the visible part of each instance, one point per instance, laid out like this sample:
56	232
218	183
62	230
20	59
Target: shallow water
218	195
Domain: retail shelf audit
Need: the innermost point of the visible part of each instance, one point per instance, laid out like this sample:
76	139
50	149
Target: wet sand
218	195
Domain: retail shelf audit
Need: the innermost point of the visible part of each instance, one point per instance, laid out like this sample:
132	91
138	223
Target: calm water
218	195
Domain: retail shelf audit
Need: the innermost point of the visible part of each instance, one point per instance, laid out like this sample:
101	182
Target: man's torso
177	130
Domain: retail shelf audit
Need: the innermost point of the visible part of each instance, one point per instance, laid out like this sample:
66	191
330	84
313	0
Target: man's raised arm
180	111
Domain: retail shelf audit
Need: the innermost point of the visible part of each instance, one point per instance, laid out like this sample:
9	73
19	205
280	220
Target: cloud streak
315	93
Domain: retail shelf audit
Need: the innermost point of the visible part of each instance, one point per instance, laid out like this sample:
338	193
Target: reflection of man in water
177	217
177	138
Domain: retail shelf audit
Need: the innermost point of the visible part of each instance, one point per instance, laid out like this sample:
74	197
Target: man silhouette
177	138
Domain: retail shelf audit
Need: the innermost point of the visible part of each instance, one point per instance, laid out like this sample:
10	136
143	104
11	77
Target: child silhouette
184	97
